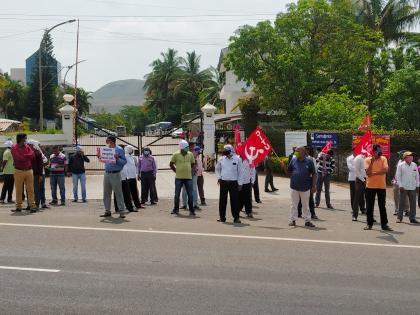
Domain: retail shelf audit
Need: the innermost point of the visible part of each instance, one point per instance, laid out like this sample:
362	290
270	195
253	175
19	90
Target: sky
119	39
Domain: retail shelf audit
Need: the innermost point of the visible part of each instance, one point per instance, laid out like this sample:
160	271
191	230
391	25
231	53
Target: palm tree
211	93
192	81
392	19
161	81
12	94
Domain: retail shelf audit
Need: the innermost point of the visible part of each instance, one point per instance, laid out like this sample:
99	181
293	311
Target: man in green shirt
181	163
8	174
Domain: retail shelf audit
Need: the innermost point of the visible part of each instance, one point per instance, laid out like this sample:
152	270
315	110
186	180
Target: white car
177	133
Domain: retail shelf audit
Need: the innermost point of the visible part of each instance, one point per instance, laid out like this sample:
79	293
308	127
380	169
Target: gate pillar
68	113
209	129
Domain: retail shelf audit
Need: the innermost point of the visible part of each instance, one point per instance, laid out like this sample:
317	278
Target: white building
233	88
18	74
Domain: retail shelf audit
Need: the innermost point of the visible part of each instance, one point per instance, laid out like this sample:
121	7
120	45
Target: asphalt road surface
69	261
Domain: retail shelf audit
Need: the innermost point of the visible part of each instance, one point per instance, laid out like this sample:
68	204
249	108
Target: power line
137	16
23	33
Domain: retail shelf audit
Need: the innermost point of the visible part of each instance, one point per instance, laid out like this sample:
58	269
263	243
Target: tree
12	97
392	19
333	111
161	81
192	82
211	93
83	99
314	48
397	107
249	108
49	90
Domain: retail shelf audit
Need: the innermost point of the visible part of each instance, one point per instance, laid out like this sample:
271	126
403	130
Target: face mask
226	152
186	149
380	152
146	153
297	154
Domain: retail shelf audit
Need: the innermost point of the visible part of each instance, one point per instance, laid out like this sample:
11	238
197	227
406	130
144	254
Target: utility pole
41	48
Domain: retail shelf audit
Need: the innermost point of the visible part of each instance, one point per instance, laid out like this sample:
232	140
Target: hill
112	96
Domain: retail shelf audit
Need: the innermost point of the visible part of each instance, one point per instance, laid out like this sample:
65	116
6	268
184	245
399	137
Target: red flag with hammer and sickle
256	147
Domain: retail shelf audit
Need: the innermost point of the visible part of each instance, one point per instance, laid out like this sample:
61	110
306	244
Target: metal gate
162	145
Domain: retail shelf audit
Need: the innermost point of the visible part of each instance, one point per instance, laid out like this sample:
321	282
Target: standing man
352	175
360	186
112	179
326	166
245	194
396	188
229	178
194	181
376	170
77	169
38	163
268	167
200	177
58	162
408	182
22	157
8	174
181	164
147	175
303	177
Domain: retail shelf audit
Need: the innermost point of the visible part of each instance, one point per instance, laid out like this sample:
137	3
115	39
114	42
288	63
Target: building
8	125
18	74
32	62
233	89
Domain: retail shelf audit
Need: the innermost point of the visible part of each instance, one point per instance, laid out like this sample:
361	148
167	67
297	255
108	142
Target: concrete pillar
68	114
209	129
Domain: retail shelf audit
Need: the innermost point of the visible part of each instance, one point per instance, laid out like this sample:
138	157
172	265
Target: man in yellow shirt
376	169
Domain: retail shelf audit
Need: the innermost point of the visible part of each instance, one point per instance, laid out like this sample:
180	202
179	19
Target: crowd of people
24	166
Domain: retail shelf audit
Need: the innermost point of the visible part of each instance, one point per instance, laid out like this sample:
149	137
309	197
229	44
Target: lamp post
68	69
41	47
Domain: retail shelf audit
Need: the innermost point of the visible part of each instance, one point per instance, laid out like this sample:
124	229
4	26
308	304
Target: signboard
107	155
294	139
383	140
320	139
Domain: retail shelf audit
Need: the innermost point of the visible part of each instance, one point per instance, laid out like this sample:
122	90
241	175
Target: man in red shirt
22	157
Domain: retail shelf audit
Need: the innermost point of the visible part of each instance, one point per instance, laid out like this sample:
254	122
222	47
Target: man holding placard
114	158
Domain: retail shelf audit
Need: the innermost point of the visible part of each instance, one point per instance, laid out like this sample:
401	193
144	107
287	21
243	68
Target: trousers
231	188
302	196
323	180
359	198
7	189
24	178
39	190
245	198
187	183
411	196
112	183
82	178
194	192
371	193
58	180
200	186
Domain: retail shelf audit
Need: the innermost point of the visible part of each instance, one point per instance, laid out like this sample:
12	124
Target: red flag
366	122
327	147
365	145
255	148
238	140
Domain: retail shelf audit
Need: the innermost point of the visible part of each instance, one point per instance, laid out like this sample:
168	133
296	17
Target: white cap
8	144
33	142
78	148
183	144
129	149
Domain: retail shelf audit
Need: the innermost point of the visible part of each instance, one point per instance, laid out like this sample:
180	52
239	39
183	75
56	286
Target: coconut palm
211	93
161	81
192	81
392	19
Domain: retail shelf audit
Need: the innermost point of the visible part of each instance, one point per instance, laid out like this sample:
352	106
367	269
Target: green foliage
12	97
398	106
314	48
49	90
280	165
177	85
333	111
83	99
249	108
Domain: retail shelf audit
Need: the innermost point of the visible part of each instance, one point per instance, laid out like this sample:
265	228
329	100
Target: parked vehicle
178	133
121	131
104	132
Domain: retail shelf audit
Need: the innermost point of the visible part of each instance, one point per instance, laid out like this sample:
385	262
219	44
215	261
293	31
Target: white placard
294	139
107	155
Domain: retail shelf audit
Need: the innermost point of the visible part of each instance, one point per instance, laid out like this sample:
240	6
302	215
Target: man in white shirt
229	178
408	181
245	195
360	185
352	176
396	188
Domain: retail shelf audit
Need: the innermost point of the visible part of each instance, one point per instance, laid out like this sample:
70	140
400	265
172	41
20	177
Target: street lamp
41	47
68	69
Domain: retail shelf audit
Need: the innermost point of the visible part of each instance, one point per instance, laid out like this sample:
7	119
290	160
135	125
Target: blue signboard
320	139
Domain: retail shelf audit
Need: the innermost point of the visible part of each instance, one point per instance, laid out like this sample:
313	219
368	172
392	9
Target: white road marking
29	269
269	238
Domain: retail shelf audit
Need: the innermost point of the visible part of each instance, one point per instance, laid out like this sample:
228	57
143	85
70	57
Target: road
154	263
